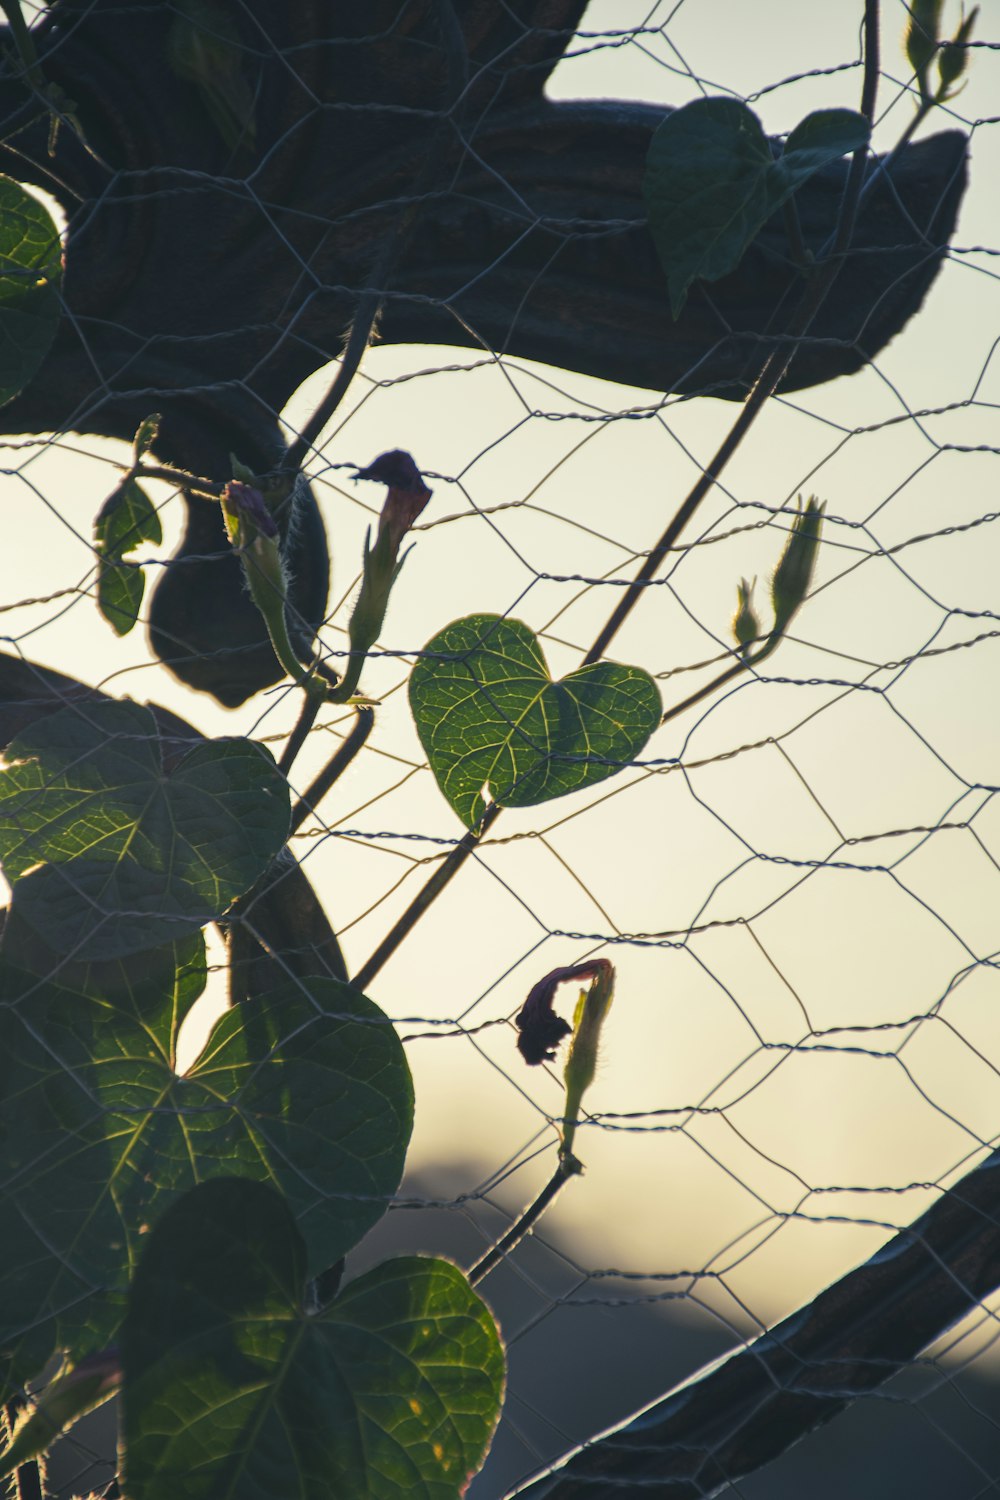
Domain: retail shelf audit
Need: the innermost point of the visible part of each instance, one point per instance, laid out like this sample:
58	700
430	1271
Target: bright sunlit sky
896	927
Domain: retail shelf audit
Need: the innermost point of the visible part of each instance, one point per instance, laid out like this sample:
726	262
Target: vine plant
180	1238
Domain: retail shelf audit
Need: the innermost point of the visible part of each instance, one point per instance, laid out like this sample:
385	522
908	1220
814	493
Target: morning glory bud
589	1017
253	531
242	504
403	504
581	1062
746	626
922	38
953	59
793	575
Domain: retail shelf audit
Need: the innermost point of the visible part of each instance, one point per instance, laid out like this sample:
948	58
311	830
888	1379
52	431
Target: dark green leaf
488	712
98	1135
126	520
820	138
120	588
705	188
30	272
234	1392
711	182
108	852
46	1098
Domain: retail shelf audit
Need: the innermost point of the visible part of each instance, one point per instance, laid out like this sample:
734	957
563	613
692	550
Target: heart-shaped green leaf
233	1391
711	182
30	272
305	1089
488	713
126	519
108	852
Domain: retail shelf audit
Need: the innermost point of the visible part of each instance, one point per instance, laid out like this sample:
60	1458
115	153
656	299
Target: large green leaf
108	852
488	712
30	272
98	1135
233	1391
711	182
126	519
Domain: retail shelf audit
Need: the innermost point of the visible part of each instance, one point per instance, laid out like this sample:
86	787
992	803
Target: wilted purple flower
242	500
541	1029
406	498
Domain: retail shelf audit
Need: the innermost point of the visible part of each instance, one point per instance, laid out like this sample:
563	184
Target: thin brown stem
767	383
568	1167
297	738
369	306
428	893
205	489
314	794
777	363
750	660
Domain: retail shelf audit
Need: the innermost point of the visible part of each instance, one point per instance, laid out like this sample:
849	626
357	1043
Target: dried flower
541	1029
406	498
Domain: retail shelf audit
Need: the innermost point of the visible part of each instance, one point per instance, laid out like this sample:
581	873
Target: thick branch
740	1414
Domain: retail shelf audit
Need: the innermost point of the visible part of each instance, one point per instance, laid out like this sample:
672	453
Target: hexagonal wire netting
797	877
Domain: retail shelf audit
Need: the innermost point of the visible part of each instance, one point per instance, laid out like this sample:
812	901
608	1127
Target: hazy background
805	1039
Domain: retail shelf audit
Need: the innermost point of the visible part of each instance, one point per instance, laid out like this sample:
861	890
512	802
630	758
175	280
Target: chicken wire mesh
796	878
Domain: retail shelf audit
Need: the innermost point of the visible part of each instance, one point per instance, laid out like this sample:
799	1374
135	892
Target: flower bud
581	1061
253	531
793	575
588	1018
406	499
245	513
70	1395
146	434
746	626
953	59
921	40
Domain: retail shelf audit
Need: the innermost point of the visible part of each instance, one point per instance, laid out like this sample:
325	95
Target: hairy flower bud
591	1011
242	503
746	626
921	41
581	1061
793	575
403	504
953	59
